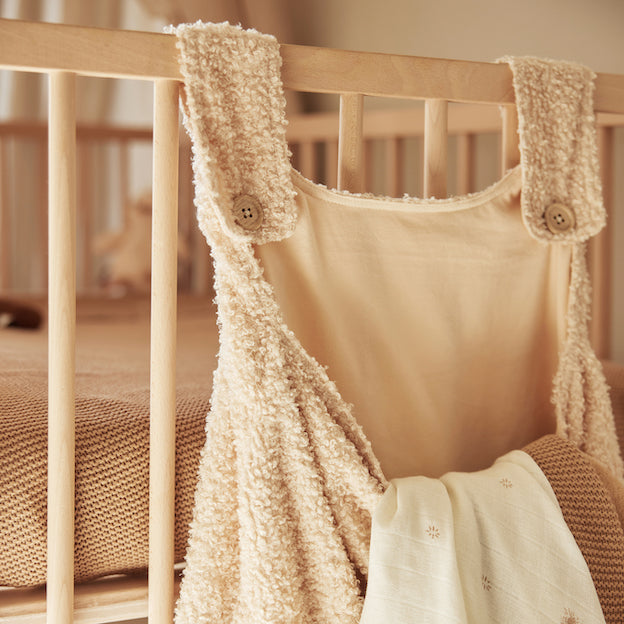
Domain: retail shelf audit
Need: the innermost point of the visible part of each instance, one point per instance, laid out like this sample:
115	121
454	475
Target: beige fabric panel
439	320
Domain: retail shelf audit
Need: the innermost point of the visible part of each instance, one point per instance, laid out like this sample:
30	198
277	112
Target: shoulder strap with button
562	204
235	109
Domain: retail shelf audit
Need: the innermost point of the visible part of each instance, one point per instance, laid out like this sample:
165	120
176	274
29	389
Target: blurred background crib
114	195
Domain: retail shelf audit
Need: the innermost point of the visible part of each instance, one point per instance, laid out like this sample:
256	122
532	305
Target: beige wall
587	31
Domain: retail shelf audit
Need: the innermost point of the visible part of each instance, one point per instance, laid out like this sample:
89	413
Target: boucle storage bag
288	480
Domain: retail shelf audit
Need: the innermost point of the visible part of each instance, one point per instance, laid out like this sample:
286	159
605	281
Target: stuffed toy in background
127	264
20	315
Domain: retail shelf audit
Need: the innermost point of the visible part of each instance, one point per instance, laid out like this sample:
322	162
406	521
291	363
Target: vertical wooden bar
369	155
394	166
61	347
331	164
350	144
436	124
600	248
163	351
124	179
307	164
510	150
465	163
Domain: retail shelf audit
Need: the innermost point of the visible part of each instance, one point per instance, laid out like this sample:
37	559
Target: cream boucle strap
236	115
558	149
562	203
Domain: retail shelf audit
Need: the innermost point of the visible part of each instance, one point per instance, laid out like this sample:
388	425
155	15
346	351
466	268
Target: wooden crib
321	147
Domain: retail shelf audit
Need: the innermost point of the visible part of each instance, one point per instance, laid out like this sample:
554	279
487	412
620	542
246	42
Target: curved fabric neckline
508	183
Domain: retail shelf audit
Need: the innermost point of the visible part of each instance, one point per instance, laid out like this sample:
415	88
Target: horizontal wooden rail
104	600
315	127
42	47
101	132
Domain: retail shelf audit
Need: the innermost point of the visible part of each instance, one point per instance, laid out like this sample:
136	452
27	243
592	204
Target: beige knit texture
588	506
287	480
112	438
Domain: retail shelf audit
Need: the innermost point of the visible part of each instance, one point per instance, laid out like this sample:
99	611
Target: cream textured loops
288	481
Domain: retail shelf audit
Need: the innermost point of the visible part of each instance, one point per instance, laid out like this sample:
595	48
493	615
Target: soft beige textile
112	437
401	300
471	548
288	479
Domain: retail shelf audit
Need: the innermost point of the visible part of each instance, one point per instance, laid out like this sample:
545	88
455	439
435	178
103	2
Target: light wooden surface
331	162
104	600
32	46
601	252
307	160
61	347
511	143
350	144
394	169
465	163
163	351
436	148
406	122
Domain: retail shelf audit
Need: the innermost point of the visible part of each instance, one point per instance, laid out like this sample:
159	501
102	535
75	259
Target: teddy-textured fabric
431	328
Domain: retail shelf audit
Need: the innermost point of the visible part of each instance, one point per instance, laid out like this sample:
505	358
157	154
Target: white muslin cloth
477	548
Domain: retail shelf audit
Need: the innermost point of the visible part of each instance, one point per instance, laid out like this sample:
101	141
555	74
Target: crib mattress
112	437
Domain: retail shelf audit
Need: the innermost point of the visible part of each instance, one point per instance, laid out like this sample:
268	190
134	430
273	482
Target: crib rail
151	56
64	51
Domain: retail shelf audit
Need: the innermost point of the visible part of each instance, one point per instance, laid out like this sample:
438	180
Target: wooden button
559	218
247	212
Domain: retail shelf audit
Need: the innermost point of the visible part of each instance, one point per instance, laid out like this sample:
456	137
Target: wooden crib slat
61	347
350	144
163	351
331	164
465	163
600	250
394	166
436	124
510	147
307	164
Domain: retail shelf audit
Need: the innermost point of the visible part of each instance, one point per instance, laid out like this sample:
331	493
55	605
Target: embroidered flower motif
433	532
569	617
486	583
506	483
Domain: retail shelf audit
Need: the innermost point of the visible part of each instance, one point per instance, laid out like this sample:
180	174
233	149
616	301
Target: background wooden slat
350	144
436	150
